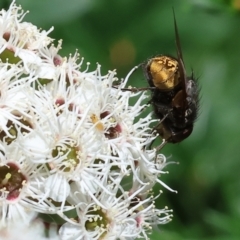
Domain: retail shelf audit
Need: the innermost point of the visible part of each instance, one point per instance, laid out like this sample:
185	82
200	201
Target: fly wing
182	98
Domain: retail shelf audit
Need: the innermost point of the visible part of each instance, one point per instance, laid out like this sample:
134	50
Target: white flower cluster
70	144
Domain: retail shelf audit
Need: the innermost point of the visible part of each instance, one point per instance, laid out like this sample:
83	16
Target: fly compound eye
163	71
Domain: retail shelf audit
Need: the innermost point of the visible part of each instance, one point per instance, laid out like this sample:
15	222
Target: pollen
96	121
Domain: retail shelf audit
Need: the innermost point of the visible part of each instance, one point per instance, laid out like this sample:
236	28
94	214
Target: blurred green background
121	34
